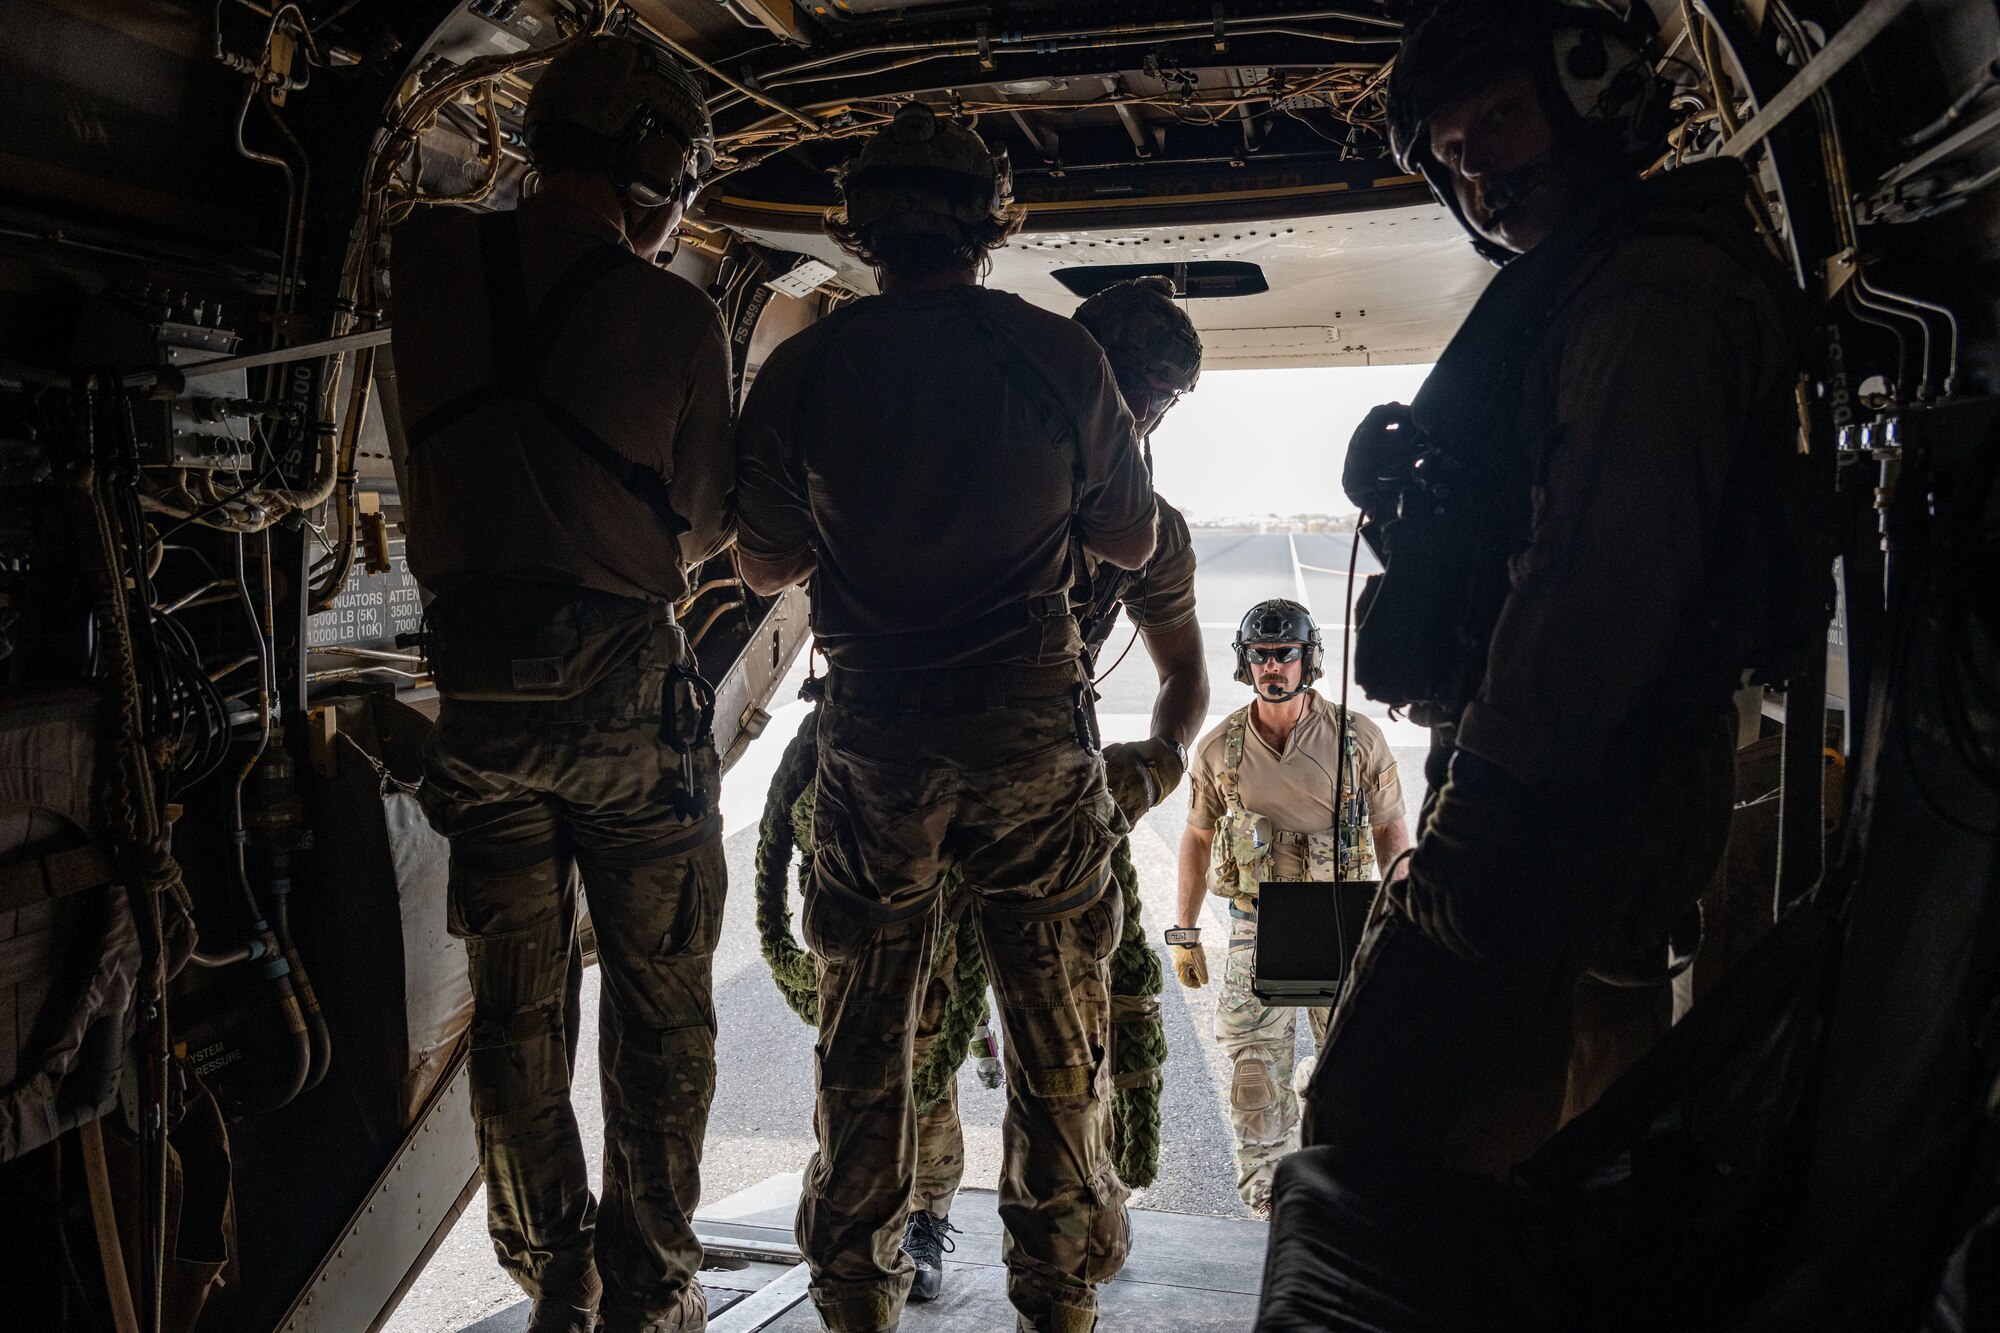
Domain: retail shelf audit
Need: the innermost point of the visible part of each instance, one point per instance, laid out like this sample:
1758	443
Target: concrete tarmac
761	1122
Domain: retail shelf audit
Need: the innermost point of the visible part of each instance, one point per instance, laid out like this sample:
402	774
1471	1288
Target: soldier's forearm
1182	702
1195	846
1391	841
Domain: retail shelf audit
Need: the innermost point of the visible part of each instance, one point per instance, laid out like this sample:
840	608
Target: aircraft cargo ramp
1187	1274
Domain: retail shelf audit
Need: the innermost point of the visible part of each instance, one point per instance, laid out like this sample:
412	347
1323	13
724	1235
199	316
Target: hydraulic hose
242	953
317	1033
277	969
278	972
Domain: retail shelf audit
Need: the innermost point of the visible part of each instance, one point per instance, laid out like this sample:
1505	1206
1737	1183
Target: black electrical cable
319	1037
1101	676
182	704
1341	767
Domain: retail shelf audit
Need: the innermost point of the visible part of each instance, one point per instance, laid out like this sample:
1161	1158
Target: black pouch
512	641
1407	647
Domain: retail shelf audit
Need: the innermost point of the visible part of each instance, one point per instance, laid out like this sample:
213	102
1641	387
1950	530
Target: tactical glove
1190	963
1141	773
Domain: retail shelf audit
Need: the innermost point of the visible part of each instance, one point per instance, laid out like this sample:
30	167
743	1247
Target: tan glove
1141	773
1190	963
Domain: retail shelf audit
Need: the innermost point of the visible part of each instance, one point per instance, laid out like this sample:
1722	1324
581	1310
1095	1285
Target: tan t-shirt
1294	790
1156	598
641	362
910	442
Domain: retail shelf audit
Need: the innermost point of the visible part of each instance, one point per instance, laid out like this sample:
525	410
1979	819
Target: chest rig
1246	843
1425	623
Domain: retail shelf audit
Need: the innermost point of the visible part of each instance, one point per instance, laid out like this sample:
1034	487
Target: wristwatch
1184	937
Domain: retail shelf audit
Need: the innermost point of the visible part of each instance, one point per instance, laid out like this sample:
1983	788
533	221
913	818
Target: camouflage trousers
1008	795
940	1136
1259	1040
535	797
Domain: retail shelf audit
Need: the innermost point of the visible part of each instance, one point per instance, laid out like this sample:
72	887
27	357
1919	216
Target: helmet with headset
643	110
1282	621
1592	64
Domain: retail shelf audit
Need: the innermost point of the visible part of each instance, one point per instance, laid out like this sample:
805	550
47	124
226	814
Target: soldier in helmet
566	404
1262	807
1155	355
1581	515
940	459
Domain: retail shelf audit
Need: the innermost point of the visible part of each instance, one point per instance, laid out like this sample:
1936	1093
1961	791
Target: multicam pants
1009	796
940	1137
531	795
1259	1040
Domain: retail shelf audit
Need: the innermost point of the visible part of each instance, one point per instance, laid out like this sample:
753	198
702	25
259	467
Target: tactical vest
1425	624
1246	843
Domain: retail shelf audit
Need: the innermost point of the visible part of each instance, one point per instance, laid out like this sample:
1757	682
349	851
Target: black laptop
1307	935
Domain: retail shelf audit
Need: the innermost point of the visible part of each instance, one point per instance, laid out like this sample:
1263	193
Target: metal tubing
1130	120
1842	47
754	94
1126	34
370	654
242	953
1869	297
276	356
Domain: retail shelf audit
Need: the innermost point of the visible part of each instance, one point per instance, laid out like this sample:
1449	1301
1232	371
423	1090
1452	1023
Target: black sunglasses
1258	656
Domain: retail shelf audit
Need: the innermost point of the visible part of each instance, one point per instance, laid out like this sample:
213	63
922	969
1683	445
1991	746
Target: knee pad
1252	1087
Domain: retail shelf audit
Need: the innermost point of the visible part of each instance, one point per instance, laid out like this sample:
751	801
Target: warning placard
370	611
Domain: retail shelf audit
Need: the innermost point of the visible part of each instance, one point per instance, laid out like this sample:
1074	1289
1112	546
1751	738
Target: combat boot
572	1311
688	1315
1059	1319
927	1239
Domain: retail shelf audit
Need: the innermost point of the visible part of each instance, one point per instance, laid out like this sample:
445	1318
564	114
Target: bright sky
1249	442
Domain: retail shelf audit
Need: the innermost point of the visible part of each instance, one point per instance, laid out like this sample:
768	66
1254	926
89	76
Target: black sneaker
927	1239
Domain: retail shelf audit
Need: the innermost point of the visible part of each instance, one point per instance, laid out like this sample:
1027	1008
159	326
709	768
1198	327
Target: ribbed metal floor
1187	1274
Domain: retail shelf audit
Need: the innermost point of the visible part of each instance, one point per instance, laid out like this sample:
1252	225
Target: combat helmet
639	100
1137	323
1280	620
1592	66
922	163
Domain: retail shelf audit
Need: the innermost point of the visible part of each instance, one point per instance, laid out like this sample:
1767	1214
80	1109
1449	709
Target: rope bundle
787	825
1139	1041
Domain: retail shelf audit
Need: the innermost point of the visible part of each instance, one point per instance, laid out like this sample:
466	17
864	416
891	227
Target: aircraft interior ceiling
1384	287
234	1031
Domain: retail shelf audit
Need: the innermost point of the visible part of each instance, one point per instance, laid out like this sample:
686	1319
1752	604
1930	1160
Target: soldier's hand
1191	966
1190	963
1141	773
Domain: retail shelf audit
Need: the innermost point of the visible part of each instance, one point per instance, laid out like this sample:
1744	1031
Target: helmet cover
1139	321
637	96
924	163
